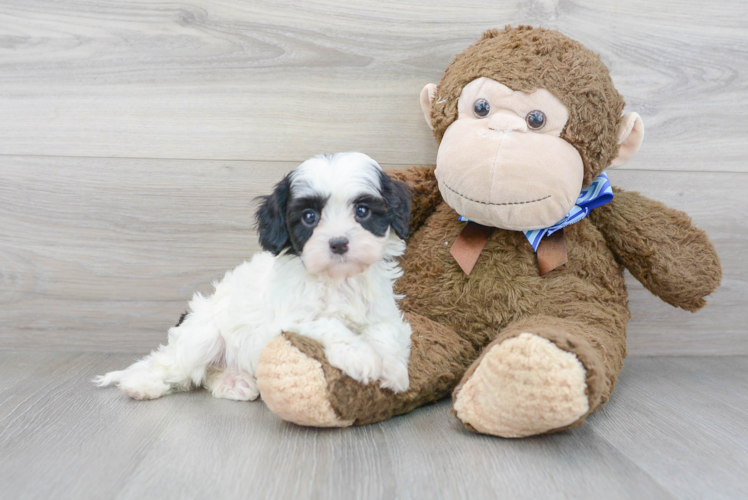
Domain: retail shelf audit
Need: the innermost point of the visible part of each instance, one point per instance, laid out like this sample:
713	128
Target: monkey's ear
271	219
427	98
630	135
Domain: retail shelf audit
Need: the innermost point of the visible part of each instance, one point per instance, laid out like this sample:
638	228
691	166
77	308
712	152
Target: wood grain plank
118	247
431	444
105	253
417	456
72	440
675	419
229	79
62	438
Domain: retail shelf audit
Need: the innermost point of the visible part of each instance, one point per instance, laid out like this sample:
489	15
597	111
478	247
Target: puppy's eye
481	108
535	119
362	211
309	217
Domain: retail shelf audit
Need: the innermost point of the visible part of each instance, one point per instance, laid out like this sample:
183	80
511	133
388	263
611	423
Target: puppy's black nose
339	245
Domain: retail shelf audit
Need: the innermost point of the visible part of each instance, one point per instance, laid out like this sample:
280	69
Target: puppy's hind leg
193	346
232	384
141	380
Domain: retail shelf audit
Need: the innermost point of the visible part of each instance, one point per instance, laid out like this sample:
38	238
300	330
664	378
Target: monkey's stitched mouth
495	204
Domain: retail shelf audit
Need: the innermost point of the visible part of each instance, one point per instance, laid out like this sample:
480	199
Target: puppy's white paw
394	374
358	361
233	384
141	380
140	387
108	379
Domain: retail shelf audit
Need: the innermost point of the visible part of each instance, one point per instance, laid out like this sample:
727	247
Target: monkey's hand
425	192
300	385
660	246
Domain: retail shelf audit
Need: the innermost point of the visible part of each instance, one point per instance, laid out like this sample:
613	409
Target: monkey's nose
504	122
339	245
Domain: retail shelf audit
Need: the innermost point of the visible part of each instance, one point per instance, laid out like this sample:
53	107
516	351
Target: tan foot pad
294	387
523	386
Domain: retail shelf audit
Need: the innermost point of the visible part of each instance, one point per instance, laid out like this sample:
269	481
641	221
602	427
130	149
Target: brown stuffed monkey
525	325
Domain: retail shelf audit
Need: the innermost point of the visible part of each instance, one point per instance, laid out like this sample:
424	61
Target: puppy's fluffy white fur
343	300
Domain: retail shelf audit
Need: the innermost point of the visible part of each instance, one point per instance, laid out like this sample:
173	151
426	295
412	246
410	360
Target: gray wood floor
675	428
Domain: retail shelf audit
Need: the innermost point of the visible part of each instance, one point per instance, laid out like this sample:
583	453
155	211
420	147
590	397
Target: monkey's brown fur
580	307
527	59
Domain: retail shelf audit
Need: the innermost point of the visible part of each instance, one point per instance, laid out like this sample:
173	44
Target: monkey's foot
522	386
294	387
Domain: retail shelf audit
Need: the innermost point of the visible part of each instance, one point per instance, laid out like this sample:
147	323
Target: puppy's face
335	212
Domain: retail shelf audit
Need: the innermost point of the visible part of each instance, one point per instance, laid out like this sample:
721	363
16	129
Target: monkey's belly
505	284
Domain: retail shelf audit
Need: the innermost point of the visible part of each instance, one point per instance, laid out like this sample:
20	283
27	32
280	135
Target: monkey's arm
660	246
425	191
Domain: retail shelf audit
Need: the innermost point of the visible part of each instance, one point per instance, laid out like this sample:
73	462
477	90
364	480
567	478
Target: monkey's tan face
503	164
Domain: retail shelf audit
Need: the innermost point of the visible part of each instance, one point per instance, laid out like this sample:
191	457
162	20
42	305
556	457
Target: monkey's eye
309	217
362	211
535	119
481	108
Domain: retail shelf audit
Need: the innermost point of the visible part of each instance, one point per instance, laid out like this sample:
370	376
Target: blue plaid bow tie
595	195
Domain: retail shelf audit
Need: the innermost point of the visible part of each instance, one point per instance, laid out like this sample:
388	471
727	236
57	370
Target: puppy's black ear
398	197
271	218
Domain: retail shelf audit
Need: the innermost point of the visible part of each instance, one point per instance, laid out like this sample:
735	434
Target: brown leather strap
469	244
552	252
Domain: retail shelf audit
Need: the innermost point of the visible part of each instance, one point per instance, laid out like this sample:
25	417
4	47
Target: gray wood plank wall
134	136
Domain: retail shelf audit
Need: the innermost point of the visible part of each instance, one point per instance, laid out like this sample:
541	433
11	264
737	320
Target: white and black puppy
331	232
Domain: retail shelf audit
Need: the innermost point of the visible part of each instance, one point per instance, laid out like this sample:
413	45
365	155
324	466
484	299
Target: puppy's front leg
392	342
343	348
